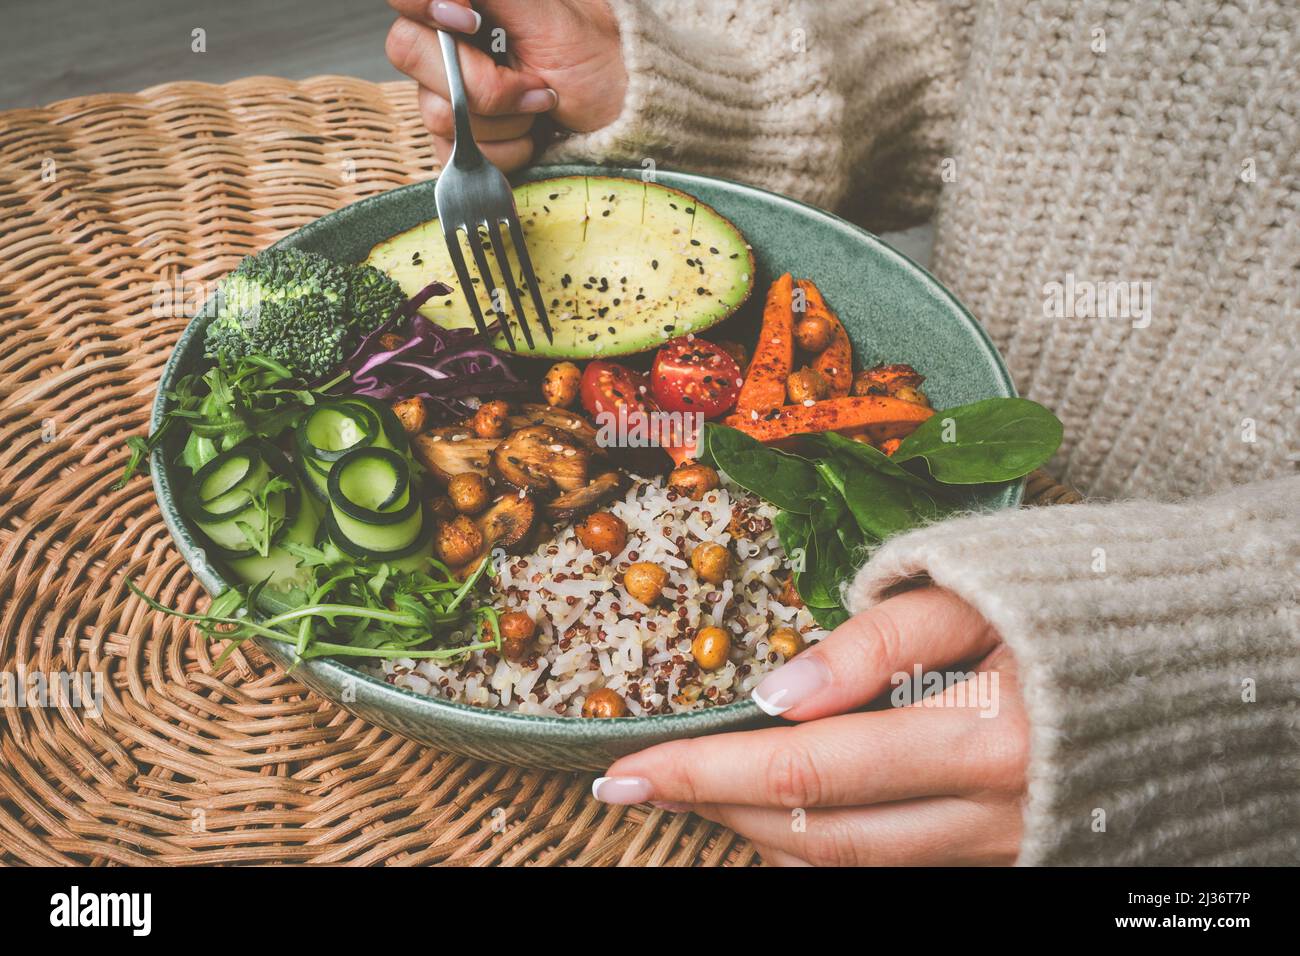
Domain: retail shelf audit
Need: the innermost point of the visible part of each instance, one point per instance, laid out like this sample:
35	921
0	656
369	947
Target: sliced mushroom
540	459
504	525
579	427
447	452
574	504
508	521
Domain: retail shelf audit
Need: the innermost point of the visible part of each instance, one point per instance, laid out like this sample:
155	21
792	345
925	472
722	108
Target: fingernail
538	101
621	790
790	685
670	807
455	17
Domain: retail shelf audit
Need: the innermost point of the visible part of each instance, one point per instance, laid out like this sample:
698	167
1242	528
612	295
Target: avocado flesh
611	257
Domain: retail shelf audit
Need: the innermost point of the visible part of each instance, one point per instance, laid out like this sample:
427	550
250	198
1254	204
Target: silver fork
472	194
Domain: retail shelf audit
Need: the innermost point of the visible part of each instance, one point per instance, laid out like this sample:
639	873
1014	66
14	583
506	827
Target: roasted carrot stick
881	417
836	361
764	386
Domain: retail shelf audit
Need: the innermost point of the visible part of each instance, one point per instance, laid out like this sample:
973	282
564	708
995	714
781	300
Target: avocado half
623	265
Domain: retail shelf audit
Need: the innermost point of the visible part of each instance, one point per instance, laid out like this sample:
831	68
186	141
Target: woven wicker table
107	202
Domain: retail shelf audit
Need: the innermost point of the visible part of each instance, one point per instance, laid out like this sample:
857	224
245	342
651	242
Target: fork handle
465	152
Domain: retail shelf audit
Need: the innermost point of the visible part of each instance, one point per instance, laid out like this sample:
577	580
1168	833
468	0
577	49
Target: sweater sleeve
1158	648
846	104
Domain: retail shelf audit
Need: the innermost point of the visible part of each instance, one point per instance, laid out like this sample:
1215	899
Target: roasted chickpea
789	595
786	642
442	508
909	394
711	562
468	491
805	385
560	386
604	703
736	351
517	633
814	333
693	480
645	581
711	647
413	415
490	420
602	531
458	540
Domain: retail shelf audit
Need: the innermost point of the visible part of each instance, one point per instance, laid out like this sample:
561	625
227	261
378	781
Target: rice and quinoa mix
592	634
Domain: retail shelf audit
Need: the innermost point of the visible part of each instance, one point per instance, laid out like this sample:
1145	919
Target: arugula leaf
999	439
784	480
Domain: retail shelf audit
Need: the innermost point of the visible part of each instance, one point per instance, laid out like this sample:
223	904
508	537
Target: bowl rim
388	696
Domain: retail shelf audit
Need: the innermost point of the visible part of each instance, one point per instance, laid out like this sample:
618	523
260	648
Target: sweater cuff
1158	650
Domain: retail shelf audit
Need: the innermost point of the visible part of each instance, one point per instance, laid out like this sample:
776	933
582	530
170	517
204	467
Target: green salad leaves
839	498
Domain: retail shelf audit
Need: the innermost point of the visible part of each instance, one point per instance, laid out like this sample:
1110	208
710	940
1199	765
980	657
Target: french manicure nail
538	101
670	807
790	685
453	16
621	790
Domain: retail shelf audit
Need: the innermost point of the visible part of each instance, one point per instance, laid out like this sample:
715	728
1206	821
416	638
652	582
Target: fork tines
451	233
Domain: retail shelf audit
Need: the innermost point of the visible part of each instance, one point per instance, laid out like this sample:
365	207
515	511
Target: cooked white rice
592	634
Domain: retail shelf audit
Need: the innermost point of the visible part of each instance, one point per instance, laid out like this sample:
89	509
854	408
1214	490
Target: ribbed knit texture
1139	630
1084	141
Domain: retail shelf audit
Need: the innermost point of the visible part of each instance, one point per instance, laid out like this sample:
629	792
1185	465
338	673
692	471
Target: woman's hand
564	59
936	782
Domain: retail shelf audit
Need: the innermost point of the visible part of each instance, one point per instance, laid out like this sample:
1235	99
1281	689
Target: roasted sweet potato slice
835	361
773	359
883	417
886	379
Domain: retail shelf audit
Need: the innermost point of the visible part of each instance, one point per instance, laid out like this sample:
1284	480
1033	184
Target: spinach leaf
829	617
872	457
793	530
784	480
999	439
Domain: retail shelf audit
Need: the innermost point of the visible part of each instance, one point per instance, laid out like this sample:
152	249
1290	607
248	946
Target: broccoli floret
372	298
300	309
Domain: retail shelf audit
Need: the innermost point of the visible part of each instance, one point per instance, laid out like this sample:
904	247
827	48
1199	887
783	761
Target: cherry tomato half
607	385
692	375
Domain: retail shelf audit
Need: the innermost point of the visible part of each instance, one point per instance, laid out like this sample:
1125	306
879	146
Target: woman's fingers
493	90
506	156
439	120
928	627
774	857
839	761
936	831
454	15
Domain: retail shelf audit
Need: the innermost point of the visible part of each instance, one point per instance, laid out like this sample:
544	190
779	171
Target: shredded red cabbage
443	366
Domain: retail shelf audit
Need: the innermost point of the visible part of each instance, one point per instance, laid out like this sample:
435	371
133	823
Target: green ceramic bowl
893	309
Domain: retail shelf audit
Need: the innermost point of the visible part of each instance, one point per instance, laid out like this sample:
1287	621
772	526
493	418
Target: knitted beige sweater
1073	142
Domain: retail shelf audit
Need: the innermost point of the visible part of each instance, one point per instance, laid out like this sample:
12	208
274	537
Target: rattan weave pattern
105	201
